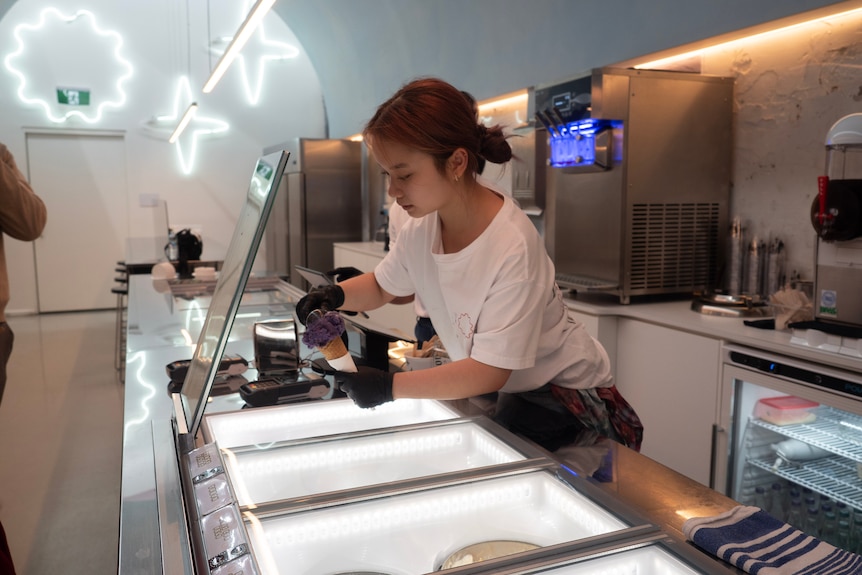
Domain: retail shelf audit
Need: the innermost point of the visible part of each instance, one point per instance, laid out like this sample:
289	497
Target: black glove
326	298
345	273
368	387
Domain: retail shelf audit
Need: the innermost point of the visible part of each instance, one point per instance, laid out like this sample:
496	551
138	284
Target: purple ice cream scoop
321	332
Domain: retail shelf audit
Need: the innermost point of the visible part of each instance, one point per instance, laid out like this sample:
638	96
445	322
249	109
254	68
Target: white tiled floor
61	445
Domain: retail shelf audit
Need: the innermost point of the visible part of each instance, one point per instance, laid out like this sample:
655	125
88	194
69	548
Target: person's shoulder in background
22	213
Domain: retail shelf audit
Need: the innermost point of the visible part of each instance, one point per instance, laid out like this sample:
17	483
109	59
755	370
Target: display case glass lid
229	289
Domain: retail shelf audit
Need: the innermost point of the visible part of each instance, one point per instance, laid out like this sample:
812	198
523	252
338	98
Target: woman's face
414	181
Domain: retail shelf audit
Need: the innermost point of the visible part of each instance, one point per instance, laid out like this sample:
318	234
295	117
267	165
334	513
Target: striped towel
757	543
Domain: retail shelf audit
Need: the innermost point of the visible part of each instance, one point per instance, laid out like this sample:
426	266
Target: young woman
483	274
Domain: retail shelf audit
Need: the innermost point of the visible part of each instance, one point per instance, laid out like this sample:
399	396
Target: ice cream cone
334	349
324	332
337	356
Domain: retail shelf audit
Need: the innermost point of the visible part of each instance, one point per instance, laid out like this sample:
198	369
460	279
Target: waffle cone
334	349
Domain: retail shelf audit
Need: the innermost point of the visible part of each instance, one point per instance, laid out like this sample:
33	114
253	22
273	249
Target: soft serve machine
836	215
637	179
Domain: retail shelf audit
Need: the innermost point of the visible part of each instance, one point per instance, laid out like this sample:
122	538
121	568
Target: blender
836	215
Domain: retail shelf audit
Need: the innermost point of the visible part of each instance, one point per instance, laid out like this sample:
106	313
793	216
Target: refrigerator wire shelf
834	430
835	477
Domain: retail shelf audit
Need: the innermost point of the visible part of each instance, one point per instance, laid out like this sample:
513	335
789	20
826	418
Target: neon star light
190	113
21	32
198	126
280	51
246	29
272	51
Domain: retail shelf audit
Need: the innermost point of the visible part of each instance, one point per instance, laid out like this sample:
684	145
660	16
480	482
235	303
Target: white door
82	180
671	379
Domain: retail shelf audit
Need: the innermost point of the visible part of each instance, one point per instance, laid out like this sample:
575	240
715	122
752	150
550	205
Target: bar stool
121	290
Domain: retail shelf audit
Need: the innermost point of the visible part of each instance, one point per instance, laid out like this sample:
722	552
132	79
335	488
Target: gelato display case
459	495
321	486
272	424
261	474
417	532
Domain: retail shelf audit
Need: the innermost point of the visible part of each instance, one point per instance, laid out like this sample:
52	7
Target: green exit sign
73	96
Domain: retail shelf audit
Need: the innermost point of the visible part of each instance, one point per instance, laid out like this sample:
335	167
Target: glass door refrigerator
789	441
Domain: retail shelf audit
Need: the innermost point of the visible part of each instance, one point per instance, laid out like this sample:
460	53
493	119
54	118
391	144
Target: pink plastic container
785	410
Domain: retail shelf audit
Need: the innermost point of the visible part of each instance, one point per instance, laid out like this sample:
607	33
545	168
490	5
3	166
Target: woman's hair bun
493	145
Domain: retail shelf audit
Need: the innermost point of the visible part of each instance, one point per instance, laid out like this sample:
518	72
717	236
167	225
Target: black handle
547	123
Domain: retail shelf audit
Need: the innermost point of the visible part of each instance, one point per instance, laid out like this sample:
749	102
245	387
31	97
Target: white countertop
370	248
677	314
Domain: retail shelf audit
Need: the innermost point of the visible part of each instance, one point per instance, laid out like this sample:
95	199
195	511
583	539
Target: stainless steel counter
163	328
143	253
157	323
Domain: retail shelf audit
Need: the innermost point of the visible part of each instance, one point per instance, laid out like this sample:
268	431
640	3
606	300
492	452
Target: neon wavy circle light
23	31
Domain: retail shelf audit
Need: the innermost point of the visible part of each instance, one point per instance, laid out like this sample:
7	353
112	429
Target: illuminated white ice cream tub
264	425
307	468
415	532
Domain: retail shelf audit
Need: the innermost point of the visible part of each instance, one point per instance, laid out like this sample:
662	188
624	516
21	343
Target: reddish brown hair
436	118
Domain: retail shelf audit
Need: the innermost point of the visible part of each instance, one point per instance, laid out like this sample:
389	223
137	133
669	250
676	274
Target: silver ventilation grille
674	246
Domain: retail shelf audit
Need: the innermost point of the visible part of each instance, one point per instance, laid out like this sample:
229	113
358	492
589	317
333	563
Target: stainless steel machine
317	205
637	181
836	214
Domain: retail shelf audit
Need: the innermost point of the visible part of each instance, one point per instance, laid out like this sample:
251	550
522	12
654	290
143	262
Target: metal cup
276	349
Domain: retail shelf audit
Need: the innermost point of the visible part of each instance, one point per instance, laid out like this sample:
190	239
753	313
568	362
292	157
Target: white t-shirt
398	216
496	301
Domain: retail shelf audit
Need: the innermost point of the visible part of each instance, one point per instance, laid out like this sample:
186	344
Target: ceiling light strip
666	61
254	18
503	101
184	122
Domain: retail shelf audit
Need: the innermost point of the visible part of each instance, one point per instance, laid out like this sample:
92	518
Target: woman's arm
363	293
457	380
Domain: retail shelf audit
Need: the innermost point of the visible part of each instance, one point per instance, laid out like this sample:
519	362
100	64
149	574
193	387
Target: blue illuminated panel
575	144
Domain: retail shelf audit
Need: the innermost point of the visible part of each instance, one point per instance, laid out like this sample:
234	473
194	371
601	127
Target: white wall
163	42
789	90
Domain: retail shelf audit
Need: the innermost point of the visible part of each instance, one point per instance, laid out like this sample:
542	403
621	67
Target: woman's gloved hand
368	387
345	273
326	298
